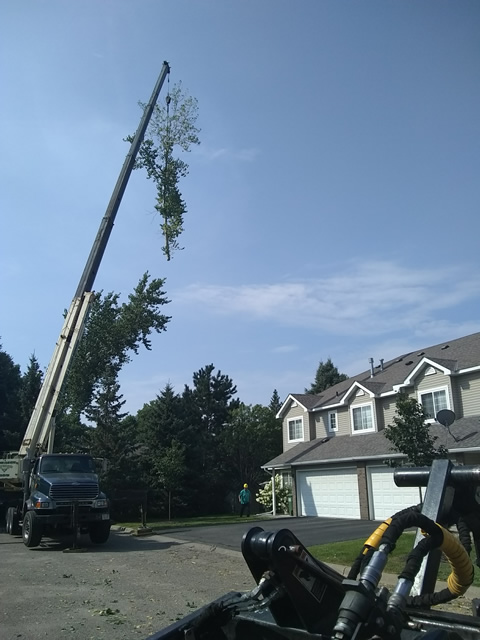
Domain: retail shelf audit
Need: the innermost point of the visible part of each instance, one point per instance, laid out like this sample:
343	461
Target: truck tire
99	532
16	528
32	530
9	521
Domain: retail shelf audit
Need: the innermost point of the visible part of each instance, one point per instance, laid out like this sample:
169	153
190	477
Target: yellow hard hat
245	486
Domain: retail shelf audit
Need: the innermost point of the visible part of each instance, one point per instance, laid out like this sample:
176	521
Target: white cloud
286	348
366	298
211	154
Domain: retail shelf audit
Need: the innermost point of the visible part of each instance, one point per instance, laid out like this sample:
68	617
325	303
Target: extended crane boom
41	492
40	424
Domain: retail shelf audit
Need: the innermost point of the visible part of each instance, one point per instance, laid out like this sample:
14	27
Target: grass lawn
343	553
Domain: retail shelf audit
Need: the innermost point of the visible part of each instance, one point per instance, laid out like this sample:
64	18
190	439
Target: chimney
372	372
381	364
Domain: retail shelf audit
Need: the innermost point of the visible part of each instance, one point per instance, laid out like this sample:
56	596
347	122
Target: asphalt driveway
309	530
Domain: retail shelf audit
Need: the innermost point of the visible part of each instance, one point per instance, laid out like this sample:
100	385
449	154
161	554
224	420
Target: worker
244	499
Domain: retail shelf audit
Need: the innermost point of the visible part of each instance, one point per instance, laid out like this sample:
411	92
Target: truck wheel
8	521
32	530
16	528
99	532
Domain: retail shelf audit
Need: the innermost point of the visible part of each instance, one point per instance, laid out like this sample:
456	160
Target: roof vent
422	353
409	362
381	364
372	370
400	359
445	346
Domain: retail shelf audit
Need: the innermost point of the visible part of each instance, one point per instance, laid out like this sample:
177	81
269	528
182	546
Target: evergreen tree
275	403
11	428
410	434
31	385
113	437
327	375
207	408
252	436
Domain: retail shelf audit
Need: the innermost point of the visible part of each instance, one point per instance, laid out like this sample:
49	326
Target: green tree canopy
113	332
275	402
172	130
327	375
410	434
31	385
252	437
11	432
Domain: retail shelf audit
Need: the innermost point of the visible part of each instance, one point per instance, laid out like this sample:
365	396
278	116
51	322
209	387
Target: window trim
330	428
289	420
352	422
424	392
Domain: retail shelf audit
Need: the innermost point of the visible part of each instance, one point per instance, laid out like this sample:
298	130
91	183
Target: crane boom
41	420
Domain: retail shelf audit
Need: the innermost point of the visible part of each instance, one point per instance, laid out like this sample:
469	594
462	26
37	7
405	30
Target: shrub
264	496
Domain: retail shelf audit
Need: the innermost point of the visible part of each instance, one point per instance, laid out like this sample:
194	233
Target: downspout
274	498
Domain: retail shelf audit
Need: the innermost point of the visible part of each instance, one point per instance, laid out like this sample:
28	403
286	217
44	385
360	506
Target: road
132	587
309	530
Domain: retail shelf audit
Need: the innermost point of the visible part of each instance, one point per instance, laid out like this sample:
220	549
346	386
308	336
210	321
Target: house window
332	421
430	371
362	418
434	401
295	429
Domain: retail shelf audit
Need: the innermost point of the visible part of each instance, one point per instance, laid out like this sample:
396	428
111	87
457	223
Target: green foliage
171	468
171	131
31	385
252	436
275	403
265	496
113	331
410	434
327	376
11	432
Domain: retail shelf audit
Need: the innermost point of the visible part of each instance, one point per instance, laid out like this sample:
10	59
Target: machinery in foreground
300	598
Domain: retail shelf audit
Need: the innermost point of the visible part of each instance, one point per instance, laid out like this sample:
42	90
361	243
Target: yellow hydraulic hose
461	576
374	540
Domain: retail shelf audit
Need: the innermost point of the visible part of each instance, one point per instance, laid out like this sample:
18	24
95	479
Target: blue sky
332	205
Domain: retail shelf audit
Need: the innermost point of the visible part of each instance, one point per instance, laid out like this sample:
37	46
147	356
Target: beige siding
387	408
343	419
466	395
321	423
434	381
295	412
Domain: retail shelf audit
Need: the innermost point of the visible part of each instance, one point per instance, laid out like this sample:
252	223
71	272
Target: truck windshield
67	464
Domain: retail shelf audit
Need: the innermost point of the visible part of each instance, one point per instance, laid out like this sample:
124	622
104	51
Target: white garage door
329	493
385	497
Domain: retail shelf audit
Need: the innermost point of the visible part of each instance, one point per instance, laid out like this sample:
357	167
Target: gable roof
453	356
464	435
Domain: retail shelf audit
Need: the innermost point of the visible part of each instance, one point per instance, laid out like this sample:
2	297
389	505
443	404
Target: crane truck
42	492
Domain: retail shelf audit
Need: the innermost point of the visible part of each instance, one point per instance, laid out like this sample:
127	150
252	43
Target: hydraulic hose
460	578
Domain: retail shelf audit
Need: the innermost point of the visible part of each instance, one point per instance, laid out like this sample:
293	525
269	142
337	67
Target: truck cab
62	495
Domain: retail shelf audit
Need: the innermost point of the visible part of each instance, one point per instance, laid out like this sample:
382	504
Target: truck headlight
42	505
100	504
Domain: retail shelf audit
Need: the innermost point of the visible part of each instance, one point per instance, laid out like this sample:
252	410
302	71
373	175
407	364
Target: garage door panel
385	497
329	493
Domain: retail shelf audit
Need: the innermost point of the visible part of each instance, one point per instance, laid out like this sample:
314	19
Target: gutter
335	460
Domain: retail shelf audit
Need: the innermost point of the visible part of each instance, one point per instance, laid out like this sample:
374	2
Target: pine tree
275	403
31	385
327	375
